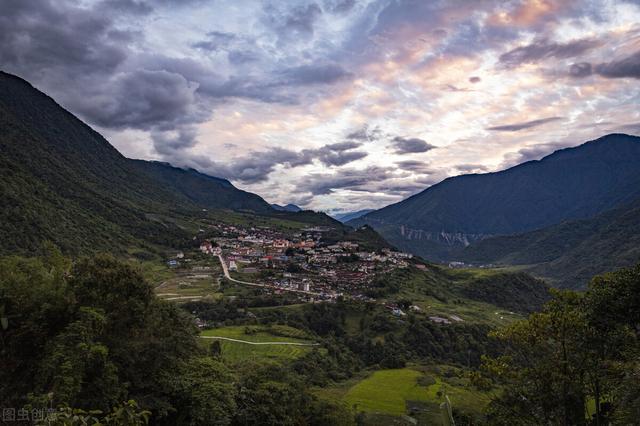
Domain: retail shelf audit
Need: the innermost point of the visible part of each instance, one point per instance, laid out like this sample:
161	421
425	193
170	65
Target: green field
387	391
416	391
238	351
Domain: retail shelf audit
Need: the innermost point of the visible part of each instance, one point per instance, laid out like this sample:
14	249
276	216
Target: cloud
410	145
352	179
544	49
580	69
174	142
337	154
36	36
256	166
365	134
474	79
141	100
339	6
628	67
216	41
415	166
530	153
515	127
126	6
292	25
314	74
468	168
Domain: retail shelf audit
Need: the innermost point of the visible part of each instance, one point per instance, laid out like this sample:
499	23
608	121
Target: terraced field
190	285
272	342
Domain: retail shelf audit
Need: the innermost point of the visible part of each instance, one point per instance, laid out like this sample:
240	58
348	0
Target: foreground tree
581	351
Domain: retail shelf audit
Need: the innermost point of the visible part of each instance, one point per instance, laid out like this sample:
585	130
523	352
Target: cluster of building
301	261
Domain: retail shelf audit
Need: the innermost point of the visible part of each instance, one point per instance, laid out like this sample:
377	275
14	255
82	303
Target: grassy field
386	391
237	351
415	391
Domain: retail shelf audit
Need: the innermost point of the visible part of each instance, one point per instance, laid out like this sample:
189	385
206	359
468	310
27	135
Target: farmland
268	342
416	391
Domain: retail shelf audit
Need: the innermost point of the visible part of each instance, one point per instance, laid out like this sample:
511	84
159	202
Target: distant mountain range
287	208
347	216
479	210
63	182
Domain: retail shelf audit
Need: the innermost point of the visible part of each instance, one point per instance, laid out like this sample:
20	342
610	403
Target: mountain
63	182
368	239
287	208
202	189
347	216
570	253
572	183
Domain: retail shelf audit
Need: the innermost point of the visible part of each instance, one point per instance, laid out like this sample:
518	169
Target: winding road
225	269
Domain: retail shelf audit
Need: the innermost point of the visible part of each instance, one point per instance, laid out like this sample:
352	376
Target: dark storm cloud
39	35
515	127
544	49
410	145
141	99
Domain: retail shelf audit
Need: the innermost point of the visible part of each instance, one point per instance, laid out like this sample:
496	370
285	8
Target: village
300	262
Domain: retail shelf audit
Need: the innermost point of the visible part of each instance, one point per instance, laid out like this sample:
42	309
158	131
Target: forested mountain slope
572	183
63	182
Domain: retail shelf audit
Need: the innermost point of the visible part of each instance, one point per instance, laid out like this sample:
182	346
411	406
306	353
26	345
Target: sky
334	105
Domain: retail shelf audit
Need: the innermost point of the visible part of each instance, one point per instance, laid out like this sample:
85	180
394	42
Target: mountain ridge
63	182
570	183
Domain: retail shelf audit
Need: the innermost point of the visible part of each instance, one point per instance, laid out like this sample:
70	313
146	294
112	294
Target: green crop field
416	391
386	391
238	351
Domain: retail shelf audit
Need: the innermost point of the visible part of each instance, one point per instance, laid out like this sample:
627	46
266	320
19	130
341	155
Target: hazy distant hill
287	208
570	253
571	183
62	181
346	217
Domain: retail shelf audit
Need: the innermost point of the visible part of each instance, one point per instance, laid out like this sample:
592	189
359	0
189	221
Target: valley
168	293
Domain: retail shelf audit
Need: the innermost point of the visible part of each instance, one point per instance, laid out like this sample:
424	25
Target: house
206	247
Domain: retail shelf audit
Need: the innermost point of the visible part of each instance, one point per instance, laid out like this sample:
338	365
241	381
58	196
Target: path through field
260	343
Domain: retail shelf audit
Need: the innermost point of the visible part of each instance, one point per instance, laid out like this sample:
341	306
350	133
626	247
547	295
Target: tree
215	349
580	348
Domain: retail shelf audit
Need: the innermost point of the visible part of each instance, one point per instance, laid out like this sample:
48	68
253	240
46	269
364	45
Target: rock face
572	183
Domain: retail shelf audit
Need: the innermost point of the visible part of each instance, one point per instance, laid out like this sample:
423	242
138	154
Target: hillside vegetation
570	253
